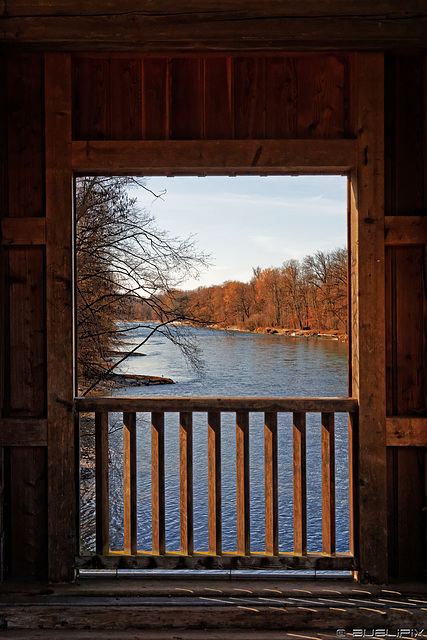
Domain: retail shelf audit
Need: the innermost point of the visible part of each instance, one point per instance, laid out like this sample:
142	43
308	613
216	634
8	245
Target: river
234	364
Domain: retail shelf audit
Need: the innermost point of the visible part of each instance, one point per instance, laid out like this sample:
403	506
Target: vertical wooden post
271	485
129	483
300	484
158	482
214	482
186	481
242	484
328	483
101	484
61	458
368	317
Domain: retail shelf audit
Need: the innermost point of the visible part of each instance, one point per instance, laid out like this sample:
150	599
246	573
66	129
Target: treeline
305	294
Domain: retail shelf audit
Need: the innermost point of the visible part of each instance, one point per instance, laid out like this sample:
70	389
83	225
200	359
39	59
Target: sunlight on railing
97	460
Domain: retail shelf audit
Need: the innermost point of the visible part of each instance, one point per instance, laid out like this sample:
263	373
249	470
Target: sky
250	221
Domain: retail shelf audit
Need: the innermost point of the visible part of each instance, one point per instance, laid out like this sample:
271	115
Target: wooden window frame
362	158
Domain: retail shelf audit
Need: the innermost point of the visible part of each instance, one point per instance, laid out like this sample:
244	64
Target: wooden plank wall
241	98
406	195
129	97
24	336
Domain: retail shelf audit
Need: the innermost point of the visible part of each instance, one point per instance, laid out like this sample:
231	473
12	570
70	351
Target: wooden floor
207	608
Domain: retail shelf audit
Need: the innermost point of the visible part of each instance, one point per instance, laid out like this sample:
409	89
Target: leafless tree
122	257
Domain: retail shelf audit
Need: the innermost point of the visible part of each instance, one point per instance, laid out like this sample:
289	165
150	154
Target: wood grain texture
23	231
102	504
91	93
129	484
25	386
156	99
125	99
230	27
317	405
233	561
249	98
27	526
368	318
186	482
281	103
158	482
300	483
186	99
213	157
271	485
23	432
214	482
59	321
25	136
328	483
406	431
243	484
218	99
405	230
321	82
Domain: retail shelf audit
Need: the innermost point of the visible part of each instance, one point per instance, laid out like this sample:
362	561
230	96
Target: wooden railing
215	557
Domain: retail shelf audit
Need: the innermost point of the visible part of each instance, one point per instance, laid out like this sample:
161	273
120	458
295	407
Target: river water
234	364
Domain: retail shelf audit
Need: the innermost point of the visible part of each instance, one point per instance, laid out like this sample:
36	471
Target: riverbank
123	380
331	334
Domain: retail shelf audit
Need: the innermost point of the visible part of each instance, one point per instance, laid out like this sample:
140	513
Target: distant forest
303	294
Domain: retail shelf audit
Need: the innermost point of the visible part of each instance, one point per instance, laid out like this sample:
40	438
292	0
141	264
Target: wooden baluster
328	483
242	483
129	483
186	481
271	485
101	484
300	484
352	483
158	482
214	482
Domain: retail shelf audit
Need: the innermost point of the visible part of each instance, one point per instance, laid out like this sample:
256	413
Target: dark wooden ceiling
213	25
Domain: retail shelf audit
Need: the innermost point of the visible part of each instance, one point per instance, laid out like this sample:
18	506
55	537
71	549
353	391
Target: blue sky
248	221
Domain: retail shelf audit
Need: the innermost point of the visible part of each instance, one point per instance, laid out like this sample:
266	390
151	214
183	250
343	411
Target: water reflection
235	364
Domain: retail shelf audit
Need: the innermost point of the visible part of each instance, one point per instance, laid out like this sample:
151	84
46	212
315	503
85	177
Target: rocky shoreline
292	333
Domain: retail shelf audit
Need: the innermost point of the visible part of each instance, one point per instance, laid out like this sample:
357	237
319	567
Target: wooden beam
23	432
186	482
214	27
243	484
271	484
300	483
214	481
158	482
406	431
130	524
23	231
316	405
61	442
102	503
367	318
405	230
233	561
196	157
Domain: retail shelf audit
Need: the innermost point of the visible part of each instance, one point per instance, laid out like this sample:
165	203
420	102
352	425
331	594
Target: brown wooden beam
405	431
23	432
404	230
318	405
222	26
150	157
367	319
341	561
59	319
23	231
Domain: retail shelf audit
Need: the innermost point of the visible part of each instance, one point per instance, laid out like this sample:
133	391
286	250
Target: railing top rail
153	404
